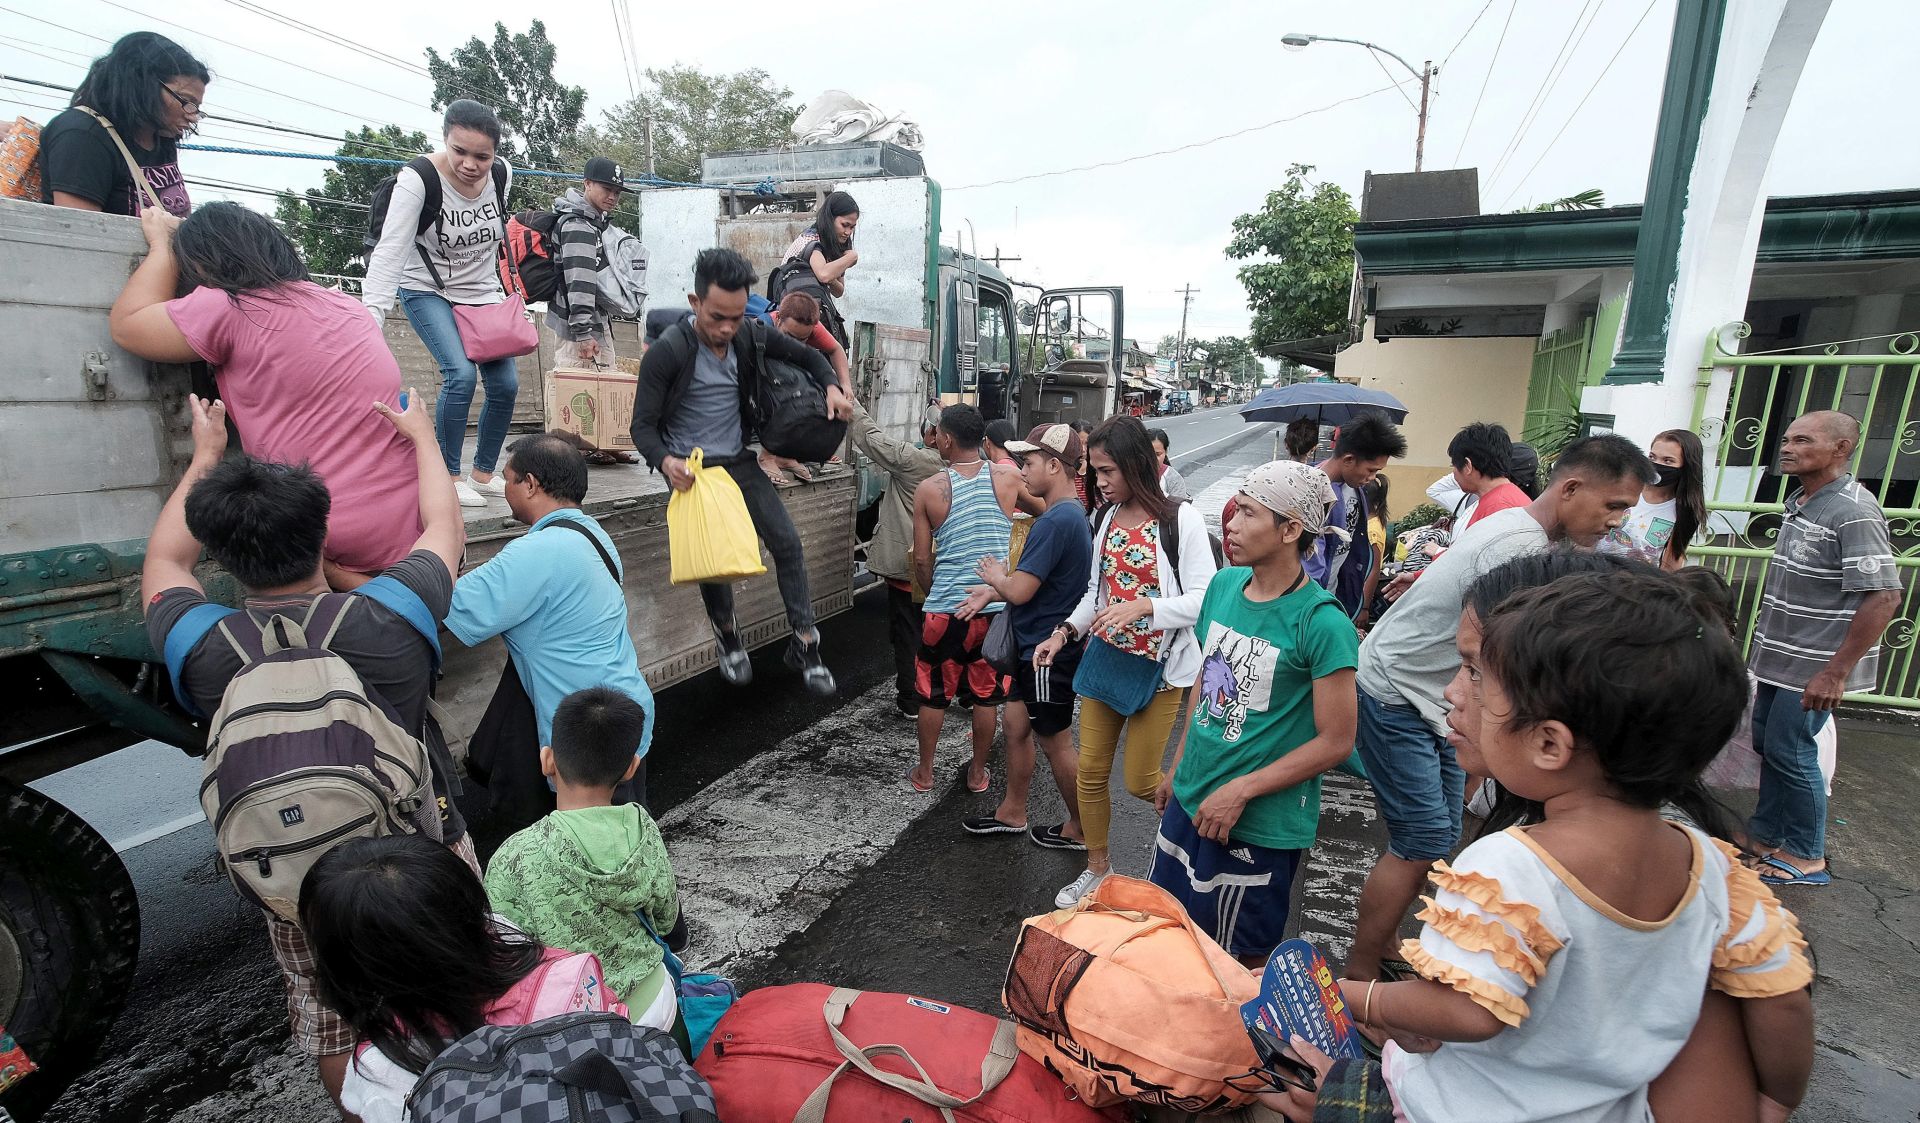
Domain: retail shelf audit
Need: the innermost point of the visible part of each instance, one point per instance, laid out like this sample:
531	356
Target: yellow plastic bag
709	533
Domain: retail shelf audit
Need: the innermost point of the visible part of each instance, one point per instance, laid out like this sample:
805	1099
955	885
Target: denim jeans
432	319
1792	809
775	528
1416	781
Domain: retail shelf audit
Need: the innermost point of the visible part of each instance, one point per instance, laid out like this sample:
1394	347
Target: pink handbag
496	331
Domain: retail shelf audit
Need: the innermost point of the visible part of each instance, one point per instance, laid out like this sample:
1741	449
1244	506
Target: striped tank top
976	527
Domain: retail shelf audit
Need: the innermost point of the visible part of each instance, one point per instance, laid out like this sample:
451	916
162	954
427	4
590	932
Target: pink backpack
565	982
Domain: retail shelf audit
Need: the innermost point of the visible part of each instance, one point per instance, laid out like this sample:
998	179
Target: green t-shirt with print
1256	700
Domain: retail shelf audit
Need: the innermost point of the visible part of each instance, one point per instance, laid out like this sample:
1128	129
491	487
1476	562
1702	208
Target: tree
540	117
1589	200
696	114
328	222
1307	232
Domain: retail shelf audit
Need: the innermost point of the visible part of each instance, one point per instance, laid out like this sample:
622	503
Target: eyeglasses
190	104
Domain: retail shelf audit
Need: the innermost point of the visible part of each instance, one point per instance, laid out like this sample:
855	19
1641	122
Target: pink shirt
300	369
1505	497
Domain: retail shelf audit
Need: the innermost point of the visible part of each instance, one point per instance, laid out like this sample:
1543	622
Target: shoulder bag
1120	680
500	330
141	185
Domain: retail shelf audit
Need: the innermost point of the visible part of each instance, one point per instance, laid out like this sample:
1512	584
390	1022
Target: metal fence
1743	406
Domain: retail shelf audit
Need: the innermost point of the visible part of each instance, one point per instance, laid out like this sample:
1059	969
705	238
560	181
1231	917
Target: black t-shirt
78	157
392	658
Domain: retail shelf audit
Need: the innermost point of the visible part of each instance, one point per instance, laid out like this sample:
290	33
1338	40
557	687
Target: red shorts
950	664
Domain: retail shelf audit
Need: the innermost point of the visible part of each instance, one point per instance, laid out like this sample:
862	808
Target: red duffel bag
808	1053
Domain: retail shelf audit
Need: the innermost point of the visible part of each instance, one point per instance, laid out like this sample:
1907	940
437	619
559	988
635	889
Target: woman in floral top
1151	565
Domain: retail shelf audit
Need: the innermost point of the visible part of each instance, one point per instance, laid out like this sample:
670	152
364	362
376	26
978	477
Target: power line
1561	61
1583	101
1464	34
623	31
1493	63
1178	148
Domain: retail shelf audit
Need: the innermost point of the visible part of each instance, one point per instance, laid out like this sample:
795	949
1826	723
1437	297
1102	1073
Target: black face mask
1666	475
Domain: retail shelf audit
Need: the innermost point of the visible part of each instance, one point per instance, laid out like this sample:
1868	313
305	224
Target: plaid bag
596	1066
20	161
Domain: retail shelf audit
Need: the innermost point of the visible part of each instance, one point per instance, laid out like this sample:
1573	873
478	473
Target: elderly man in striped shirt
1830	592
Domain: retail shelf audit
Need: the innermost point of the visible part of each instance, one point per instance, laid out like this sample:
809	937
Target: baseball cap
1294	491
1059	441
602	170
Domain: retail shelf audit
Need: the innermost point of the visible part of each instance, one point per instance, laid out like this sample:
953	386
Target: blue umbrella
1329	403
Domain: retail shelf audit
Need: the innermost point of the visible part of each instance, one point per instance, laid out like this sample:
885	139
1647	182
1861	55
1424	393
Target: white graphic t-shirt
1645	534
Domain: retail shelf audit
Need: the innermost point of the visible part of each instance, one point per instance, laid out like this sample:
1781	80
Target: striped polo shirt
1833	549
975	528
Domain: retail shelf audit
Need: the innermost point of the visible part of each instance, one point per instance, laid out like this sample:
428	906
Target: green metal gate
1553	389
1743	405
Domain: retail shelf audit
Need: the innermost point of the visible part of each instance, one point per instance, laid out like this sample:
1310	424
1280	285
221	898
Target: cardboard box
597	405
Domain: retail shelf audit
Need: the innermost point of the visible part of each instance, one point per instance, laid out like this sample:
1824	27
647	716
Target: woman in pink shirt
299	367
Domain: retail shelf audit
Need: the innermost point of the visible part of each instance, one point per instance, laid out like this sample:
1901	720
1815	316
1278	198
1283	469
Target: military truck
96	439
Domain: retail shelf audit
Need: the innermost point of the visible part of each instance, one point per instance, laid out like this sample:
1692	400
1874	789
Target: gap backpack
623	274
429	209
529	259
597	1066
302	757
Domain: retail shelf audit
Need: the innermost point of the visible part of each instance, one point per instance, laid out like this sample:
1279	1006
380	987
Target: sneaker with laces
735	667
1080	887
805	658
495	488
467	495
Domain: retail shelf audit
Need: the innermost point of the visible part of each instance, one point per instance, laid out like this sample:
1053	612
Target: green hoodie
575	880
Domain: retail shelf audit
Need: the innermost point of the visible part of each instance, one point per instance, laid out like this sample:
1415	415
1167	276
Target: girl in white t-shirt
1671	510
1564	963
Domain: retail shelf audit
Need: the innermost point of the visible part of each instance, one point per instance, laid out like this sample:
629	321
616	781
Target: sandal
916	785
1794	874
966	779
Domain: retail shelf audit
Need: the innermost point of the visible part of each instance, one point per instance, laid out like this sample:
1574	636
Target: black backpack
791	410
579	1066
429	210
529	259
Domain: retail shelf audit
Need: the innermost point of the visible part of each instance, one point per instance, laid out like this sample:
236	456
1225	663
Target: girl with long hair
408	952
1152	561
452	261
137	102
298	366
818	260
1671	510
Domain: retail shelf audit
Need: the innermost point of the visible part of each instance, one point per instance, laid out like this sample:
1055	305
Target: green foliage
328	233
1426	514
1230	358
540	117
1305	234
1591	199
696	114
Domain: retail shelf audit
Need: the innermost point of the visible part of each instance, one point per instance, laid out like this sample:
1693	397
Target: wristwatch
1063	626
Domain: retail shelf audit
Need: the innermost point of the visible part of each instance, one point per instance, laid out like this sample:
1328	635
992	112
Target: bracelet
1366	1010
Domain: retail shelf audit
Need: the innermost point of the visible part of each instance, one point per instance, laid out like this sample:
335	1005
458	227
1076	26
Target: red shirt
1508	495
820	339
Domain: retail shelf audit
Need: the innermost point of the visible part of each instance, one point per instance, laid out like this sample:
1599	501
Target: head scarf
1294	491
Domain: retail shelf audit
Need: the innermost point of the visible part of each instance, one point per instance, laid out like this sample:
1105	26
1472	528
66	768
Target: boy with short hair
584	877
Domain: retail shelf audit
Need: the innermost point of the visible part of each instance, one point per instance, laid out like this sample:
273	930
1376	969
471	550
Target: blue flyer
1300	997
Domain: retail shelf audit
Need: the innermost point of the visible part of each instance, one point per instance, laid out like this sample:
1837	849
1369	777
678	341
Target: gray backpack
302	757
581	1066
623	274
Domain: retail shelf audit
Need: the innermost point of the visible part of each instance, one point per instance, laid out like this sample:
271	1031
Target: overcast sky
1004	90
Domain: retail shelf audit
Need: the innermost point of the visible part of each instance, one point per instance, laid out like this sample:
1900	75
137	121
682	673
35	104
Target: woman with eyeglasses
137	102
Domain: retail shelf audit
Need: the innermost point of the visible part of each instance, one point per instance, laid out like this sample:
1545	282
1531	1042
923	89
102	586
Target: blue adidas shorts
1239	894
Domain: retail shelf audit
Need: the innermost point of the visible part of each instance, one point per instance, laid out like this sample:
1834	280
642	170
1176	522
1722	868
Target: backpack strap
142	186
387	592
182	638
612	570
429	175
500	186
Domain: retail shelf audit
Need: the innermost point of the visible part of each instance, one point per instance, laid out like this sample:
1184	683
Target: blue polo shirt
564	618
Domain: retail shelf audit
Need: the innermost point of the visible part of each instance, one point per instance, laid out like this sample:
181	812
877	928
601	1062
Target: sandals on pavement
917	786
1050	838
988	824
966	778
1794	875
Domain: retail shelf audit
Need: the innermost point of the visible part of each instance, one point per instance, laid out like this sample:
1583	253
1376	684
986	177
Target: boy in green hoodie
580	878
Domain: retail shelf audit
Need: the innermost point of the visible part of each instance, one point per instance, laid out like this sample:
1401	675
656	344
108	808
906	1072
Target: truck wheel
69	940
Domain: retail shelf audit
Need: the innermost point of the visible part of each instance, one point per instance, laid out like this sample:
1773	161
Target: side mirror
1059	316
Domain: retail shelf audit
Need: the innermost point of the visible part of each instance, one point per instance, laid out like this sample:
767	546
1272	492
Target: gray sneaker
735	667
805	658
1078	888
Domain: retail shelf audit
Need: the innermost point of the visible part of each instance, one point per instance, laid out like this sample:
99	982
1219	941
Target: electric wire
1484	81
1555	70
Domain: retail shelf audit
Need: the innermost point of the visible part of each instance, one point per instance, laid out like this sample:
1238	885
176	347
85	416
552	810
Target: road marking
761	852
163	830
1184	453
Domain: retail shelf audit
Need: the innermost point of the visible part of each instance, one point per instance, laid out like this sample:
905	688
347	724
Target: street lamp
1300	41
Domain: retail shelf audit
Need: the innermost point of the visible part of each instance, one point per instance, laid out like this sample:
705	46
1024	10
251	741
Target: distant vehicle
1177	402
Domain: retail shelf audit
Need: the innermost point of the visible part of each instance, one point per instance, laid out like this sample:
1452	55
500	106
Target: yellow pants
1100	731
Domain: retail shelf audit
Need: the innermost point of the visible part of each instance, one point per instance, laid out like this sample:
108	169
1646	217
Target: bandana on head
1295	491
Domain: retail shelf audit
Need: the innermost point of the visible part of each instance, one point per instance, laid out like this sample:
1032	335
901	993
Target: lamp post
1299	41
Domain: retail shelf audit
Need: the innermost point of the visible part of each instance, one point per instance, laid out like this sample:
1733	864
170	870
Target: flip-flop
988	824
1050	838
967	768
916	784
1795	875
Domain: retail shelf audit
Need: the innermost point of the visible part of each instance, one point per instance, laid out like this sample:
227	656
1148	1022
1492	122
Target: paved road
801	852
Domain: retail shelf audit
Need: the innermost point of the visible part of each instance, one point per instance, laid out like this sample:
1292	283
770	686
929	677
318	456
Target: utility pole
1420	140
1180	349
649	131
997	259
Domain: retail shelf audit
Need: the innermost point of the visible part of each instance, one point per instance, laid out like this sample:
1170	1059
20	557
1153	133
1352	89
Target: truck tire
69	941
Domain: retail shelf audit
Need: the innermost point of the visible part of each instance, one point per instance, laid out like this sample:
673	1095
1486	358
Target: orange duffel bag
1127	1000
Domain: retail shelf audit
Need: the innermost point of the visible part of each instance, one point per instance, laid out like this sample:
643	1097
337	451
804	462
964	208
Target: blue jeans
432	319
1416	781
1792	810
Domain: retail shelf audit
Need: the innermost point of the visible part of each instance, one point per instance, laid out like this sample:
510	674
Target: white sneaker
468	497
1081	886
495	488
